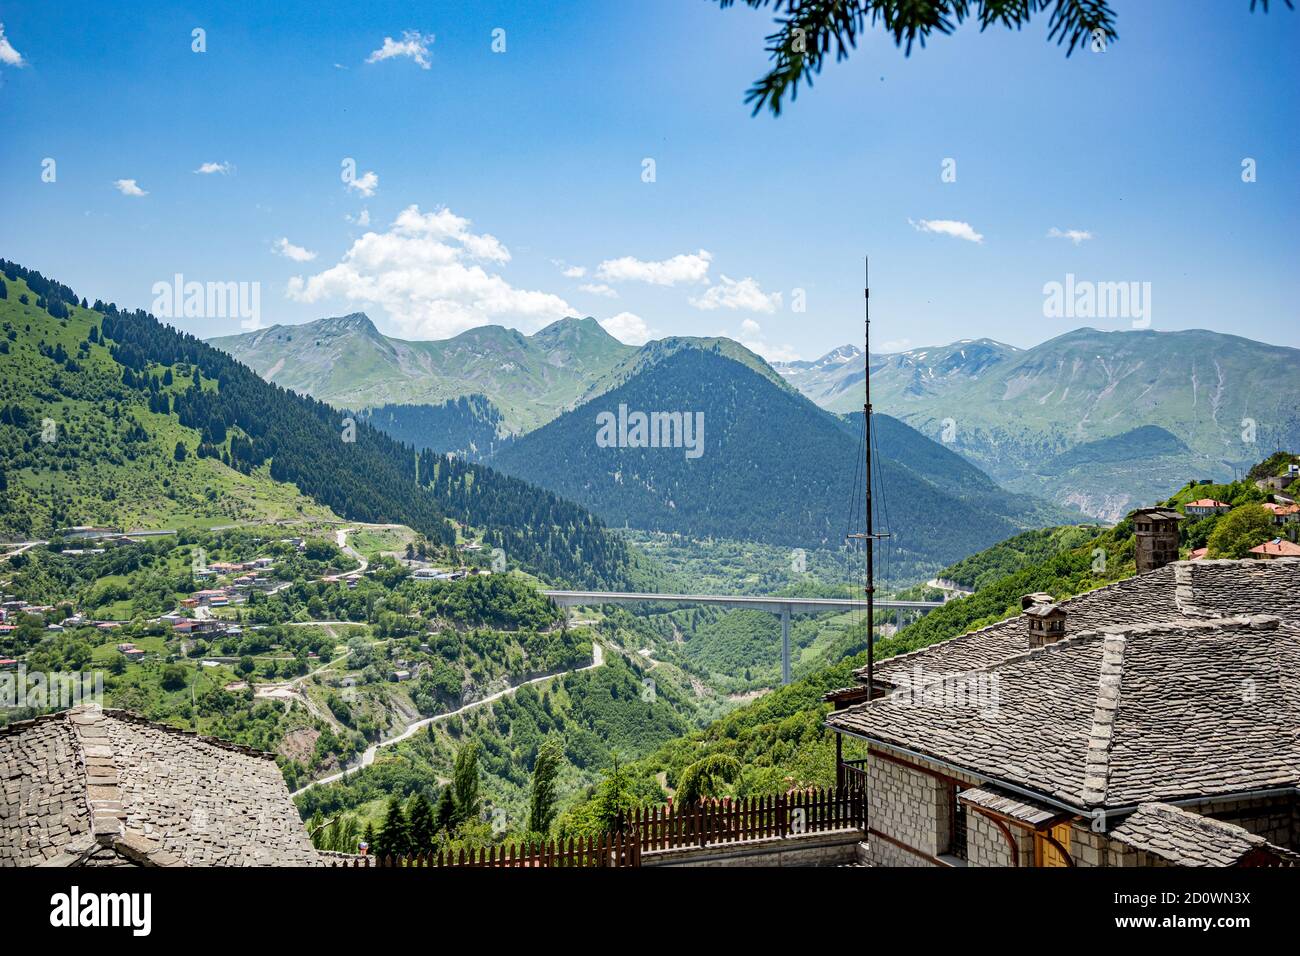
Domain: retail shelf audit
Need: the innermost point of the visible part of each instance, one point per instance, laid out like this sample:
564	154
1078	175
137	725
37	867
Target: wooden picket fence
815	810
608	850
713	822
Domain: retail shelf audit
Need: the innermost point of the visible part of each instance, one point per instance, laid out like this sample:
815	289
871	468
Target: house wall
911	807
987	846
1275	818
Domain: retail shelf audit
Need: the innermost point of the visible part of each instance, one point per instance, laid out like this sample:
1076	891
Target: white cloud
685	268
8	55
129	187
207	169
1076	236
732	294
414	45
366	183
361	219
628	328
290	251
751	337
574	272
427	272
599	288
948	227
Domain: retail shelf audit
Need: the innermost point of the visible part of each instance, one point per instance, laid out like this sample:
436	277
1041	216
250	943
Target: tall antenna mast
866	414
870	536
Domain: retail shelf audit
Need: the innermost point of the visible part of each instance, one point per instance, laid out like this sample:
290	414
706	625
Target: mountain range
348	363
1094	420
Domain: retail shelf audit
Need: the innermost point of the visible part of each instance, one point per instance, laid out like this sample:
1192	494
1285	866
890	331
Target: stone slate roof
1185	589
1002	803
1161	690
1182	838
106	787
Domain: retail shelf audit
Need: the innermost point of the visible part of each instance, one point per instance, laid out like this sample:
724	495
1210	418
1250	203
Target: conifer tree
541	806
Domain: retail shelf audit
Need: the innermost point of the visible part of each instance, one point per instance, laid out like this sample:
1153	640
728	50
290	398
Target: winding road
367	758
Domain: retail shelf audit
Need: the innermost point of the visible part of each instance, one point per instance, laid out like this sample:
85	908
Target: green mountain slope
348	363
80	446
128	393
1015	413
774	468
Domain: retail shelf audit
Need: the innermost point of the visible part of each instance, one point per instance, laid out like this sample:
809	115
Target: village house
1277	548
1283	513
92	787
212	597
1155	726
1279	482
1204	507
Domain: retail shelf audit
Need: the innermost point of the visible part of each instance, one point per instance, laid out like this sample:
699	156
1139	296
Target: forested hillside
122	389
772	468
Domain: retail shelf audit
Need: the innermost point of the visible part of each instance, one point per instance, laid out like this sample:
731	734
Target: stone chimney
1046	619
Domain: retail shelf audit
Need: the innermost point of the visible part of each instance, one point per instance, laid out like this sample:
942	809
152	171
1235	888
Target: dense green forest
469	426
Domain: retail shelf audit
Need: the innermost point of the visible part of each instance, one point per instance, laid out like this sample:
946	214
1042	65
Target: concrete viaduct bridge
784	606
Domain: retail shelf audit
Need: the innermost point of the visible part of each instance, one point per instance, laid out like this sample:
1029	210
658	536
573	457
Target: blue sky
526	164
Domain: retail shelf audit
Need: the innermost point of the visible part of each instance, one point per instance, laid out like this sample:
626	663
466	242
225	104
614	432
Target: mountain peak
570	326
352	322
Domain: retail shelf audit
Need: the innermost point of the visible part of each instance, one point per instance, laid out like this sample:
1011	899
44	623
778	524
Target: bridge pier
785	644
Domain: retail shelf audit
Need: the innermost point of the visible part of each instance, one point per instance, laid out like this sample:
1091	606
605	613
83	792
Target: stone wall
986	845
909	806
1274	818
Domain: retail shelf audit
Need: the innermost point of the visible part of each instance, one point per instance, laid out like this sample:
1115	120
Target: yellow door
1049	855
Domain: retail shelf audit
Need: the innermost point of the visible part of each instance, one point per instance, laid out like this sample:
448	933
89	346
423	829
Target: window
956	823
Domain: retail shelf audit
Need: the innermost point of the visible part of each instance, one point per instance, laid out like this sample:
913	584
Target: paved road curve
367	758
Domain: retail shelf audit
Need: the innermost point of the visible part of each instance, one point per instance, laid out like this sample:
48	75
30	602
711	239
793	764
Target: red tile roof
1278	548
